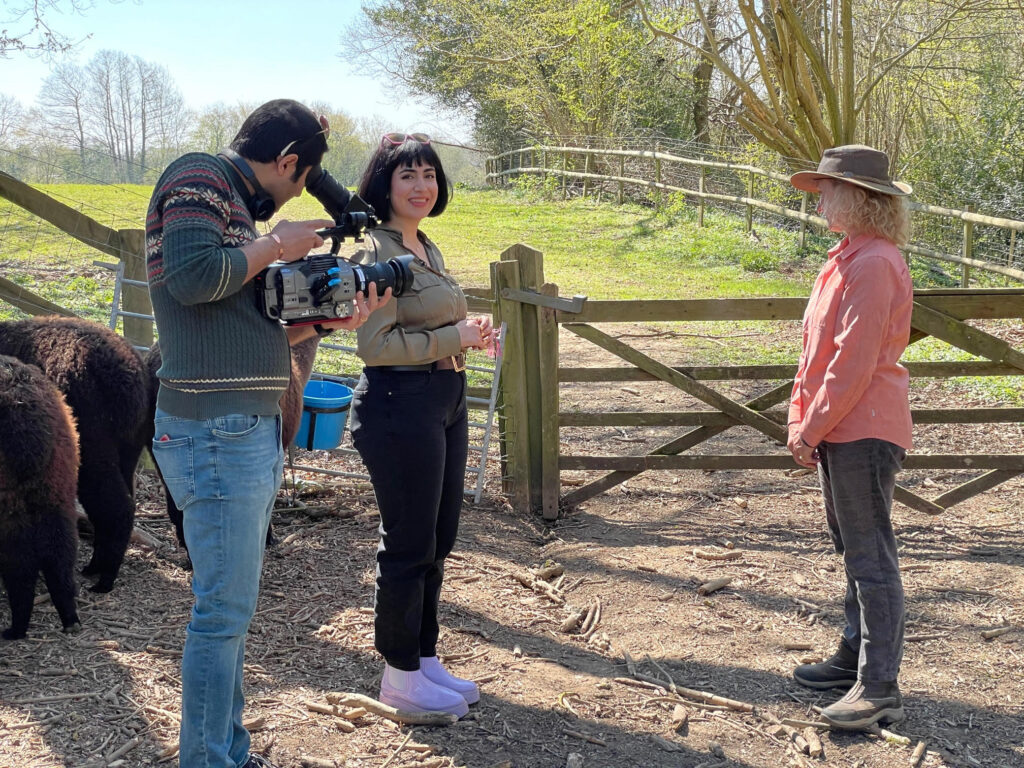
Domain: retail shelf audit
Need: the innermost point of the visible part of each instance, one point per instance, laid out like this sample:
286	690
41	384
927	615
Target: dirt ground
554	696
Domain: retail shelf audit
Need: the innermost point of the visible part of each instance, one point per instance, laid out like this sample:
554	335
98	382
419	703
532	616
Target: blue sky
235	50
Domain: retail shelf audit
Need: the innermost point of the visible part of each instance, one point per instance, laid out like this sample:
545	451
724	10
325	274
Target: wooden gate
534	311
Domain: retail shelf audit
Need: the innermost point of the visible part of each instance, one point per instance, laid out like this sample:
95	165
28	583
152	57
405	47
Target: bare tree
62	98
816	71
24	27
11	116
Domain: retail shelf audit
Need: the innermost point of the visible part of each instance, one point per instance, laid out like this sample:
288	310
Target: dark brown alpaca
303	355
105	384
38	477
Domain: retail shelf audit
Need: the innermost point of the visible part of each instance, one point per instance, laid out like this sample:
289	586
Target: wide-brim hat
855	164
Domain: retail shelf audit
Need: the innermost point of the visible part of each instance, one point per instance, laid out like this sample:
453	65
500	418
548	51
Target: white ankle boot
432	670
414	692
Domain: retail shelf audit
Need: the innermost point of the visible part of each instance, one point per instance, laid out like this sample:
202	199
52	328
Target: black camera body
322	286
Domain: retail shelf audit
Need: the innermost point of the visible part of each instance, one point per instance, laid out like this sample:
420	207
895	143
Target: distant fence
966	238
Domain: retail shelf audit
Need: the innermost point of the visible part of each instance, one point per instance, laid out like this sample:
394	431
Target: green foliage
533	67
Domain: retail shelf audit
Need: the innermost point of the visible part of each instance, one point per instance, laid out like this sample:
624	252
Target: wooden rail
512	163
127	245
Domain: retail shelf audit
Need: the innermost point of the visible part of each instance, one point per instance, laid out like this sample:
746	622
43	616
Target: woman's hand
361	309
472	334
803	454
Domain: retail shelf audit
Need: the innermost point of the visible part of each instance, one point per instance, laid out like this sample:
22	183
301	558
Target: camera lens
395	273
332	196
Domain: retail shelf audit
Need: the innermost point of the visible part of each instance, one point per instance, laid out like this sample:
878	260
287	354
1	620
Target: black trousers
857	482
411	430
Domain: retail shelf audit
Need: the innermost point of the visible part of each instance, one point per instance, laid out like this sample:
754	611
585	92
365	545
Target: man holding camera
225	367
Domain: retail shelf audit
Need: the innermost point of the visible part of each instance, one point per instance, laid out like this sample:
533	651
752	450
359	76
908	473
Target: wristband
280	245
805	442
321	331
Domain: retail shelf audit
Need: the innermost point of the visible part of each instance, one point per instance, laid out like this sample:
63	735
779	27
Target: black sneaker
840	671
258	761
864	705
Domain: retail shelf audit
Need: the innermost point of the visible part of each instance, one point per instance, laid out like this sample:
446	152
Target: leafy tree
531	67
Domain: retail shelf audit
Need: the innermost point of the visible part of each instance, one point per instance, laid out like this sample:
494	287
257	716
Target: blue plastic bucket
325	405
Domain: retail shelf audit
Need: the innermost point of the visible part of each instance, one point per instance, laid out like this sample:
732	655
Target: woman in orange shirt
849	415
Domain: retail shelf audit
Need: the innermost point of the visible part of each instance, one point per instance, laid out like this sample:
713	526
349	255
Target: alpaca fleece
302	356
38	477
104	382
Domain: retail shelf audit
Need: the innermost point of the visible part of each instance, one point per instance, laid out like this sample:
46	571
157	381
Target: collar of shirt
847	248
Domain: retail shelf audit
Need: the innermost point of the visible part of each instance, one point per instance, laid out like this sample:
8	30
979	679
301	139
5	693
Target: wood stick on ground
703	554
714	585
709	698
798	646
390	713
588	618
806	723
813	742
330	709
394	754
585	737
918	755
988	634
540	587
889	736
921	638
572	621
630	664
597	620
308	761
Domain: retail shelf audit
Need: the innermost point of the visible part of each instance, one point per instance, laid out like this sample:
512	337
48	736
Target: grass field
601	250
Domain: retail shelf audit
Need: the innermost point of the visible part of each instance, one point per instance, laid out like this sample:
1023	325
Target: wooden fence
530	418
653	170
534	312
126	245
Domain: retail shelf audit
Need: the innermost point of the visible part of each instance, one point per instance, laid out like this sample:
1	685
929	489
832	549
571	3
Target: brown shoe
864	705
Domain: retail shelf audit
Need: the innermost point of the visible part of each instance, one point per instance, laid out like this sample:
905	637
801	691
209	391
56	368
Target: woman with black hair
409	424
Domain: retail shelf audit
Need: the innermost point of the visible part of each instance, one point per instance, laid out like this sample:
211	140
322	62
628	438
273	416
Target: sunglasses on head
325	129
397	139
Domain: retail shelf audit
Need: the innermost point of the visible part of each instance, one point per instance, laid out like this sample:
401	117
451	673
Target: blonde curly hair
867	211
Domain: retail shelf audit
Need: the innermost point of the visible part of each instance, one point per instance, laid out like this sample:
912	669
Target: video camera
322	286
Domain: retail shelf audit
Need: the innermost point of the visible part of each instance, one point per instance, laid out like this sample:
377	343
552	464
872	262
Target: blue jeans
224	474
857	481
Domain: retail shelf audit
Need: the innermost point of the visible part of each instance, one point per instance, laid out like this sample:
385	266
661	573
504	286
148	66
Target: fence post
565	174
967	251
657	176
543	168
622	175
530	264
803	224
547	372
135	298
702	188
750	195
1013	242
586	178
514	432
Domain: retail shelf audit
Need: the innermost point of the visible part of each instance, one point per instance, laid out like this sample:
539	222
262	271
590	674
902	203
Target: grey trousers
857	481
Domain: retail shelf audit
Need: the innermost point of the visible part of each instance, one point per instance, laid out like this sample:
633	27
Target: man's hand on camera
297	238
361	309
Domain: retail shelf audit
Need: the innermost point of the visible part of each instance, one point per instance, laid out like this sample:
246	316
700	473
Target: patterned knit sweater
220	354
